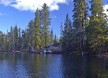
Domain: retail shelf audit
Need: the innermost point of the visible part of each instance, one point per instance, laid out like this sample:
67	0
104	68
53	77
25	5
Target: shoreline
103	55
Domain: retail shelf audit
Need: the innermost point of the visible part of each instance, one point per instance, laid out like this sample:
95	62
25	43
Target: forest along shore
84	33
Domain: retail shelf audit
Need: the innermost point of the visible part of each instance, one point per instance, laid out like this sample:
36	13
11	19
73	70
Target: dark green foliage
79	23
15	36
88	32
66	38
2	41
45	24
37	25
37	34
31	32
97	30
55	41
51	37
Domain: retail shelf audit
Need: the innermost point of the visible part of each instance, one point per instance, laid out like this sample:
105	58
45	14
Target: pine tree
67	36
61	33
11	39
97	29
51	36
25	42
16	37
19	39
31	32
45	24
7	41
37	25
55	40
1	41
79	18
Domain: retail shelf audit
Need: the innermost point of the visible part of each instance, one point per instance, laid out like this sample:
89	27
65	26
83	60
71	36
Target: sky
20	12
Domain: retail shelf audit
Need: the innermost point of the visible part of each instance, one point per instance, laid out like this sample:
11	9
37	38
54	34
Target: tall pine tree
46	20
79	18
37	24
97	29
31	32
66	38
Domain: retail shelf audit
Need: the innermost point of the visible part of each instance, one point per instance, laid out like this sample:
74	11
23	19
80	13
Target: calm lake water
17	65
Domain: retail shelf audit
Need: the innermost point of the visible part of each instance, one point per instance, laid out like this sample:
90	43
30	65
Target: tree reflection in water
17	65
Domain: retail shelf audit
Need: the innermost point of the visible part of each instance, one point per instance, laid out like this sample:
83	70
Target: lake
18	65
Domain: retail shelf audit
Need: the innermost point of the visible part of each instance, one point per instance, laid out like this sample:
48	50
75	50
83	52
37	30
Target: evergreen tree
51	36
10	38
61	33
79	18
45	24
67	36
25	42
7	41
19	39
16	37
37	25
55	40
31	32
97	29
1	41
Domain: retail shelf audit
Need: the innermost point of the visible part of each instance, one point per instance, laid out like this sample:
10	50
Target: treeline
86	32
37	34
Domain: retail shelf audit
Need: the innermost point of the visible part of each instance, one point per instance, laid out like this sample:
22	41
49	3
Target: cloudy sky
20	12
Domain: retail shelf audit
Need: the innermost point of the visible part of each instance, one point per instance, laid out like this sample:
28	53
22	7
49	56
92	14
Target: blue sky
20	12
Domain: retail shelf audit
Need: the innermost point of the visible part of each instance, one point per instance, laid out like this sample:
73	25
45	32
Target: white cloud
6	2
106	9
33	4
54	7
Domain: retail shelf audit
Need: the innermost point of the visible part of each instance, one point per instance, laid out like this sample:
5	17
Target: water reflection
75	66
17	65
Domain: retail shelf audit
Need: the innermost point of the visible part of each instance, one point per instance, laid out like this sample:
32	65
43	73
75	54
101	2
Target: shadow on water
17	65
